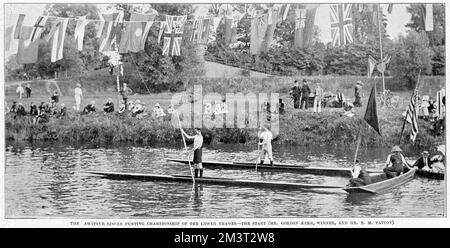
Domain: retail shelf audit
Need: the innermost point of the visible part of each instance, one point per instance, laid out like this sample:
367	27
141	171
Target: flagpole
406	117
381	48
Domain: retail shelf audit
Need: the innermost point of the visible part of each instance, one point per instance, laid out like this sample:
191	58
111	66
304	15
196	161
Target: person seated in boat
265	142
197	149
360	176
109	106
424	162
395	163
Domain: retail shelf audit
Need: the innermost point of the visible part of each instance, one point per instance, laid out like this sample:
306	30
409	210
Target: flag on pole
173	35
390	7
371	115
57	35
381	67
8	38
341	24
258	32
18	28
79	31
38	28
429	17
27	52
371	66
284	11
110	31
201	30
411	117
135	33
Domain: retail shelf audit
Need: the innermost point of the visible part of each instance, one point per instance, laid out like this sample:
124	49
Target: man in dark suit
305	94
295	92
424	161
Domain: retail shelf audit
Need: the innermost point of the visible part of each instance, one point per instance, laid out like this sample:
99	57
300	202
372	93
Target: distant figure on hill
55	96
20	91
305	94
109	106
281	110
358	89
78	97
296	92
89	108
28	90
318	96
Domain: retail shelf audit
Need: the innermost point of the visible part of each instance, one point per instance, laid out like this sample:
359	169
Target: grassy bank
297	127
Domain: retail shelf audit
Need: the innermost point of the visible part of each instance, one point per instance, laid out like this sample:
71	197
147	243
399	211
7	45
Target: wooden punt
430	174
281	167
382	183
210	180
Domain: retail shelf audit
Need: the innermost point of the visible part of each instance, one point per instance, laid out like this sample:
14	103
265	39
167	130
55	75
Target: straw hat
396	149
359	83
78	85
425	153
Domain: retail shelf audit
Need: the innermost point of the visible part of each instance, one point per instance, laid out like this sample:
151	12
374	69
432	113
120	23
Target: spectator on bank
170	109
89	108
305	94
62	112
20	91
122	107
318	96
125	93
78	97
21	110
358	92
13	107
296	92
158	111
348	110
138	108
55	96
339	100
28	90
208	109
281	106
34	110
109	106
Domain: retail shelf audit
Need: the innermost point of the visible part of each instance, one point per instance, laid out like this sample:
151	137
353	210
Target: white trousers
77	102
317	105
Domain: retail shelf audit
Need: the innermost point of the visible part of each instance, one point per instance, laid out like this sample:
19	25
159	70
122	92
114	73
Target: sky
396	21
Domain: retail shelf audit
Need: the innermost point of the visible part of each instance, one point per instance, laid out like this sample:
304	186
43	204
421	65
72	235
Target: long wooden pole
357	148
185	147
411	99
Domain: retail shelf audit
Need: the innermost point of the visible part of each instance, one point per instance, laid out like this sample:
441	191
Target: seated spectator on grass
122	107
89	108
170	109
348	110
339	100
432	109
13	107
130	106
55	96
41	118
109	106
208	109
158	111
33	109
280	106
62	112
138	108
20	110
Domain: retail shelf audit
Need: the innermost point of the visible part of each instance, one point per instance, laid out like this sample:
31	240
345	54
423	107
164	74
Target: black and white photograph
223	114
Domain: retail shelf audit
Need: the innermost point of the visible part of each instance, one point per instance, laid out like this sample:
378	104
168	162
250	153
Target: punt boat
210	180
382	184
281	167
430	174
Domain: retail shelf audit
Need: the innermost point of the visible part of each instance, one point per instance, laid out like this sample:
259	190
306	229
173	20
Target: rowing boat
314	170
210	180
430	174
382	183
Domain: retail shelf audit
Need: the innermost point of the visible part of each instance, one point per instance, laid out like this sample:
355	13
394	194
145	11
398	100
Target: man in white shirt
78	97
318	94
197	149
265	139
20	91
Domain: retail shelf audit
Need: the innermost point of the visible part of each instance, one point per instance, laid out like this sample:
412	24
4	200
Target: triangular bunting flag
38	28
79	31
18	28
390	7
110	31
381	67
429	17
341	24
58	34
135	33
258	32
272	24
8	37
371	66
27	52
371	115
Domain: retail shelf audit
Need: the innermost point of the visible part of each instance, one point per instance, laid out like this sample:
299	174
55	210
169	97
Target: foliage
412	54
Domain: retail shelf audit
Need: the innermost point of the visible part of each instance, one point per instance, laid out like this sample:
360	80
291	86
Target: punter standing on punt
198	143
395	162
265	139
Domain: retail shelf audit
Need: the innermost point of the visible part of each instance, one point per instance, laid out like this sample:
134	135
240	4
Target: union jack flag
173	32
201	28
341	24
301	17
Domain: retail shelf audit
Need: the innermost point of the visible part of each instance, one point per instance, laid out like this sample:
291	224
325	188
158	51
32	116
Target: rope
137	69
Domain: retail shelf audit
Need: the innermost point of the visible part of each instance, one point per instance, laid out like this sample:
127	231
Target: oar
185	147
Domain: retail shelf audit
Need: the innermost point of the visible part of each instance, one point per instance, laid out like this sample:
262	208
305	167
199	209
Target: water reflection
49	181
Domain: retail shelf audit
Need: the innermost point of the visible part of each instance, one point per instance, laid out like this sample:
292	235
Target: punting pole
185	147
357	148
406	117
381	48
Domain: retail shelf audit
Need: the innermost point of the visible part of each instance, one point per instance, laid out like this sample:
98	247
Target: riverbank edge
296	129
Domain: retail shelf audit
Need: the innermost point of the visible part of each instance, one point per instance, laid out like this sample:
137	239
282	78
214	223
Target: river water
50	182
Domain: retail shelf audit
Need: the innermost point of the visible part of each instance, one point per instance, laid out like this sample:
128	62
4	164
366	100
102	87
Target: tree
412	54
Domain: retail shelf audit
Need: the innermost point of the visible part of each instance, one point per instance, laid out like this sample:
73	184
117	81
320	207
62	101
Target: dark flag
371	115
390	7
